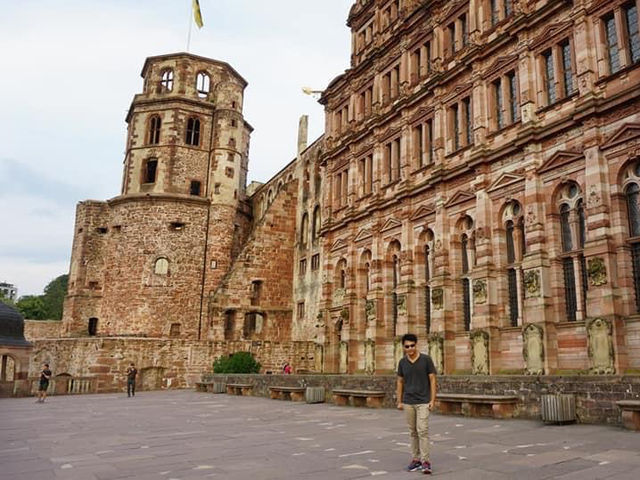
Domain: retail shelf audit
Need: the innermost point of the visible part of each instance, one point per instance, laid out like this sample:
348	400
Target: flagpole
190	24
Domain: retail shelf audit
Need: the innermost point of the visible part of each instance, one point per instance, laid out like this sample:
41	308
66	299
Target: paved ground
187	435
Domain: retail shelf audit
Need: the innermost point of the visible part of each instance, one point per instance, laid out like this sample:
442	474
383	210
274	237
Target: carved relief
533	350
600	347
338	296
344	315
369	356
318	358
437	298
596	271
532	283
479	352
593	200
344	355
531	216
402	305
370	311
479	291
436	351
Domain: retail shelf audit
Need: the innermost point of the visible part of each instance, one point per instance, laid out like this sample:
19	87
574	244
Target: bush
239	362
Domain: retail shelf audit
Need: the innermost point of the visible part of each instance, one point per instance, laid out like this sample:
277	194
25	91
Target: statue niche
344	355
479	352
600	347
533	349
436	351
369	356
318	358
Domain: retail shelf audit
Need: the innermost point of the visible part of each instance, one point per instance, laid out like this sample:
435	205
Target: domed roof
11	327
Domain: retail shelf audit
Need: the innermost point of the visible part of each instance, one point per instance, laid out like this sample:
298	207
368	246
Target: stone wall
595	395
42	329
162	363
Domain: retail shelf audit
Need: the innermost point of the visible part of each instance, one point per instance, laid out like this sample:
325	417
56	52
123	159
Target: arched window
202	84
573	237
315	232
632	194
154	130
304	230
341	274
149	169
166	81
193	132
161	267
515	246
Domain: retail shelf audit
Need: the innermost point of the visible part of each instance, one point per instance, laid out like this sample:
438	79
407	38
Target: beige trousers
418	420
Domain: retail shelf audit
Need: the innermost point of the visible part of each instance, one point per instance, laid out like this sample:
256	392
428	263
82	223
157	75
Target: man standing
131	380
416	394
45	376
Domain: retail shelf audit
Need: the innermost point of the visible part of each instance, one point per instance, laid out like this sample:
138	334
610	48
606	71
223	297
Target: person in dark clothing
45	376
131	380
416	395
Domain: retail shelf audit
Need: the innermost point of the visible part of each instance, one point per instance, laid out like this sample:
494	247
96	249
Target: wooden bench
295	394
358	398
239	389
496	406
630	413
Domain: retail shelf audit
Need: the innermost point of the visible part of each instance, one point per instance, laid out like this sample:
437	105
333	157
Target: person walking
45	376
416	395
131	380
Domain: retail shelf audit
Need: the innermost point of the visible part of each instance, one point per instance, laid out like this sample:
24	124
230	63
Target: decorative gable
559	159
505	180
625	133
363	234
338	244
550	32
499	64
422	211
391	224
459	197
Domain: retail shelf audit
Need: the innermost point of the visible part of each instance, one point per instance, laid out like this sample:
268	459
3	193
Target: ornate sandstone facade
477	184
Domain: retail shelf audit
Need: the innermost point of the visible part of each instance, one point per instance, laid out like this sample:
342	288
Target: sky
72	68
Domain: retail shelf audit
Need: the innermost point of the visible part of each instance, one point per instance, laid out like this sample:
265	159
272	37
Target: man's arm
399	390
432	384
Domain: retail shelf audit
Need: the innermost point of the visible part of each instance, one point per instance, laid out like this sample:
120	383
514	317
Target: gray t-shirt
417	388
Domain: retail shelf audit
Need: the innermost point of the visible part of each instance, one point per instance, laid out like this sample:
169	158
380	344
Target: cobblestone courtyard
187	435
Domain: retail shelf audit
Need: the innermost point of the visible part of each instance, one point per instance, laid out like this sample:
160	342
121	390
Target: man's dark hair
46	365
409	337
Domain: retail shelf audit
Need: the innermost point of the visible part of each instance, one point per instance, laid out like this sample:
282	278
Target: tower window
93	326
194	188
149	170
161	266
202	84
193	132
167	80
154	130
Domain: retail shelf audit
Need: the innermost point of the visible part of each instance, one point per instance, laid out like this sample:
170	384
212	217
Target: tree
239	362
47	306
32	307
6	300
53	297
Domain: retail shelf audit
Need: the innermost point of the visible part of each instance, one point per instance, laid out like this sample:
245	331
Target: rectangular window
513	296
455	125
499	104
416	62
494	13
612	43
635	261
427	58
303	266
466	294
569	289
430	150
418	145
369	174
466	102
631	20
388	162
194	188
315	262
256	292
464	30
549	77
567	70
508	7
451	39
300	310
513	97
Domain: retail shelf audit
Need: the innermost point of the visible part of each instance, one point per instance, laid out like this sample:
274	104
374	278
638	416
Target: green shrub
239	362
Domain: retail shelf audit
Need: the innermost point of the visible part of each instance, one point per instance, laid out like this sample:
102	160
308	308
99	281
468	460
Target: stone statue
533	349
479	352
370	311
437	298
600	347
479	291
344	355
436	351
369	356
318	358
402	306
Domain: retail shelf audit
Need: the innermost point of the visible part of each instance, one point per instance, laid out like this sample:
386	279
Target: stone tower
143	262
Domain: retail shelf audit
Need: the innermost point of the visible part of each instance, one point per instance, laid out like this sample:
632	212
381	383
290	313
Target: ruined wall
169	363
266	258
37	329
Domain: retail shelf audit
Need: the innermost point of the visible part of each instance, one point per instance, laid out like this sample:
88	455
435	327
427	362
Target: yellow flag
197	14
